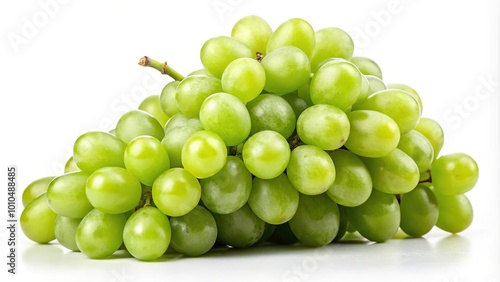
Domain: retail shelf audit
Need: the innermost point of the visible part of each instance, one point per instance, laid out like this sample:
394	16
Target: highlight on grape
283	137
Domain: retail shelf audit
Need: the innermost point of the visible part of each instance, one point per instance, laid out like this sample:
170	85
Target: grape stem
164	68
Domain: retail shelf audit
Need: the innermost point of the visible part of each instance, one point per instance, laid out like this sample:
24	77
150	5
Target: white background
68	67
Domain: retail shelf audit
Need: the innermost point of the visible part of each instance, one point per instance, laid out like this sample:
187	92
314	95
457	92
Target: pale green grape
271	112
395	173
455	212
415	145
227	116
176	192
287	68
147	233
454	173
146	158
152	106
274	200
433	132
419	211
367	66
167	98
70	165
35	189
254	31
324	126
294	32
177	136
202	71
266	154
177	120
316	221
408	89
97	149
193	90
229	189
331	42
136	123
372	134
364	92
65	232
38	220
353	183
297	103
217	52
66	195
244	78
376	84
310	170
113	190
204	154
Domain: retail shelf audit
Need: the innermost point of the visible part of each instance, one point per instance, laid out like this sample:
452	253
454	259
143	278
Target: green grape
287	68
66	195
254	31
337	83
229	189
310	170
176	137
363	93
266	154
367	66
415	145
204	154
136	123
167	98
419	211
378	218
202	71
316	221
283	235
353	183
147	233
100	234
239	229
152	106
194	233
397	104
293	32
217	52
376	84
395	173
331	42
324	126
304	92
373	134
95	149
65	232
273	200
70	165
408	89
35	189
433	132
455	173
177	120
244	78
298	104
176	192
343	223
271	112
193	90
38	220
268	232
227	116
455	212
146	158
113	190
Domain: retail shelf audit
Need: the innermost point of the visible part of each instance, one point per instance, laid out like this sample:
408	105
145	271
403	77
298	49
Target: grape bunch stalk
283	137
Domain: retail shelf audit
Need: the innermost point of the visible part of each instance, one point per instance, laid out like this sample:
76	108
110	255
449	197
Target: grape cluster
283	136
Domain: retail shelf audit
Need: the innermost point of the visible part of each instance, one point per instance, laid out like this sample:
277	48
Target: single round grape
177	120
331	42
147	233
367	66
97	149
113	190
193	90
38	220
283	235
194	233
70	165
176	137
316	221
204	154
274	200
419	211
455	212
353	183
415	145
271	112
363	93
66	195
408	89
433	132
151	105
372	134
167	98
229	189
176	192
343	224
294	32
454	173
65	232
244	78
287	68
324	126
310	170
217	52
266	154
99	234
35	189
254	31
136	123
298	104
146	158
227	116
376	84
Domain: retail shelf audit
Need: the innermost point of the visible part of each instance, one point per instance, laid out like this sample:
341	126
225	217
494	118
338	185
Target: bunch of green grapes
282	136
